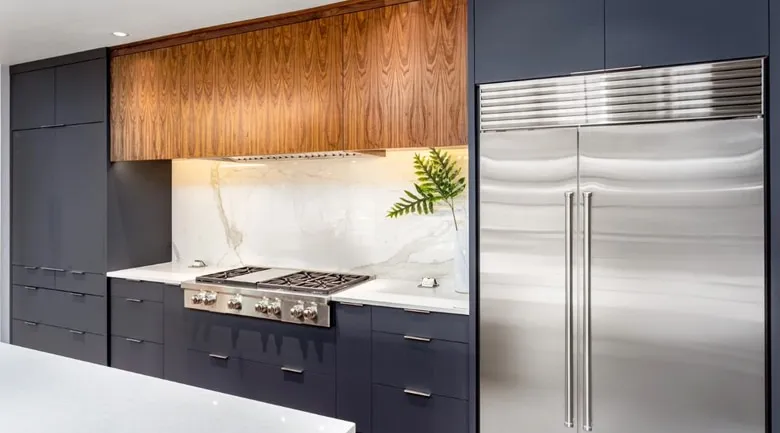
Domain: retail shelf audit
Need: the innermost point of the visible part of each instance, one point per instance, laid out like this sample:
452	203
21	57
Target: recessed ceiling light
120	34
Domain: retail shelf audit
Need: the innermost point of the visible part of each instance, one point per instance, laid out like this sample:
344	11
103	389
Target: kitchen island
43	393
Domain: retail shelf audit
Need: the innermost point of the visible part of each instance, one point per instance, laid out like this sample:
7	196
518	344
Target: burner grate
313	282
221	277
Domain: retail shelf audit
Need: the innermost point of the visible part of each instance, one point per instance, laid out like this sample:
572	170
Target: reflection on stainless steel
725	89
523	178
677	286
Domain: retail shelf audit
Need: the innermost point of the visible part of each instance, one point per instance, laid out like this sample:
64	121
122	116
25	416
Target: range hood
339	154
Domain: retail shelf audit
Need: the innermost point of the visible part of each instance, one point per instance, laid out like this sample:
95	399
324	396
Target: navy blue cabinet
520	39
353	373
667	32
32	99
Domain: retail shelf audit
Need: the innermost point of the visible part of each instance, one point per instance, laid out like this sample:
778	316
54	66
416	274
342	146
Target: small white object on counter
167	273
43	393
405	294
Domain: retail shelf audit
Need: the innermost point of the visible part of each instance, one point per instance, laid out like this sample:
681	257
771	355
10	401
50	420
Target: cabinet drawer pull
411	310
222	357
134	340
134	281
30	288
30	323
31	268
73	331
137	301
417	393
58	125
76	295
351	304
44	268
172	284
292	370
77	272
413	338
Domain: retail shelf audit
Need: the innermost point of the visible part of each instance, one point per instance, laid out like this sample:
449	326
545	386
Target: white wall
5	204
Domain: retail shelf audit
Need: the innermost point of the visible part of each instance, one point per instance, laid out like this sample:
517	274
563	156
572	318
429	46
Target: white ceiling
37	29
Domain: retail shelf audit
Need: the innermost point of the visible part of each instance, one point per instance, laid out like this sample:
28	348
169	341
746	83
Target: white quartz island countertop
43	393
167	273
405	294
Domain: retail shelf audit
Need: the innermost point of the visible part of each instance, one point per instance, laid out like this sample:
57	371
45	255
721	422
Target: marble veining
316	214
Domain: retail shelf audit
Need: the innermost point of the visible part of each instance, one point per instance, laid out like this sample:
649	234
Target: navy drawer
452	327
60	341
144	290
436	366
289	387
214	371
304	347
64	309
396	411
138	356
32	276
72	281
137	318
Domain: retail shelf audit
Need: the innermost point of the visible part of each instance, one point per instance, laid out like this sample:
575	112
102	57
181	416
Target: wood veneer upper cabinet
271	91
405	76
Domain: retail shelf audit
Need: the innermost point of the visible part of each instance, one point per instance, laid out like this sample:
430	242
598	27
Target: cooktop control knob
310	313
209	298
262	306
235	303
297	311
198	298
275	307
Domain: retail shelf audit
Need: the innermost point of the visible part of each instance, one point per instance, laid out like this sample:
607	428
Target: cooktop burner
313	282
222	277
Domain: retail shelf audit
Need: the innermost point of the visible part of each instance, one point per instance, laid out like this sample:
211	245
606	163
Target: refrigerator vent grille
702	91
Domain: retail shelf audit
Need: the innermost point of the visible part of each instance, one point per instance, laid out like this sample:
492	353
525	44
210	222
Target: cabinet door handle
30	288
134	340
30	323
413	338
292	370
411	310
76	295
58	125
77	272
137	301
73	331
417	393
31	268
45	268
222	357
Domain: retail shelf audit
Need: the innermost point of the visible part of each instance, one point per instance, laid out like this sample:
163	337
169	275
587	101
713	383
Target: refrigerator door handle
587	424
568	420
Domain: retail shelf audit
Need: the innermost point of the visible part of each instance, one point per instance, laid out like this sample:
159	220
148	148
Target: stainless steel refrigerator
622	252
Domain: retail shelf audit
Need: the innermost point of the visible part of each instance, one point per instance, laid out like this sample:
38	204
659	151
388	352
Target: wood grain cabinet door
405	76
270	91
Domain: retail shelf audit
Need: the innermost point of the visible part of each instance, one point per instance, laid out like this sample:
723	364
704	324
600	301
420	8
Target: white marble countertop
167	273
380	292
405	294
43	393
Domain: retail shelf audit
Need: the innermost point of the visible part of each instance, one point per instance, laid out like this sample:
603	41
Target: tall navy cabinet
670	32
519	39
74	215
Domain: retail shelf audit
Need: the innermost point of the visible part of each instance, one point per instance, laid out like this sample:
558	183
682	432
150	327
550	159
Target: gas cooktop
287	295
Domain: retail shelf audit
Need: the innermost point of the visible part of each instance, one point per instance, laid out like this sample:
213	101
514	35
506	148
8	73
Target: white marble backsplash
315	214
